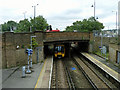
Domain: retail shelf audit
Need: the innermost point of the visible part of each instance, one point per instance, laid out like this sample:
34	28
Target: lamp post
24	14
34	15
94	5
94	8
94	24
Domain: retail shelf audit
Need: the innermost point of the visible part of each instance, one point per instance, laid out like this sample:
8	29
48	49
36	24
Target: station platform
39	78
110	69
44	80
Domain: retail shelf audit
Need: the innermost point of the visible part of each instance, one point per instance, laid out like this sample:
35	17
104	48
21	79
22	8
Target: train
59	51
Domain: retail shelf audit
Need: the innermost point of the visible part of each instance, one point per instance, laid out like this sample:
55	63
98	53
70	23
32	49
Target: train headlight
63	55
55	55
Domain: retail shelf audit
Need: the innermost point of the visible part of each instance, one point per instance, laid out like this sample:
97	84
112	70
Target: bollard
31	61
28	69
23	72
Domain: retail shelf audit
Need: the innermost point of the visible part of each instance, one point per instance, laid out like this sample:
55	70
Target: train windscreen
59	49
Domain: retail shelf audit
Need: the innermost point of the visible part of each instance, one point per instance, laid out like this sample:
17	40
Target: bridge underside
64	41
81	45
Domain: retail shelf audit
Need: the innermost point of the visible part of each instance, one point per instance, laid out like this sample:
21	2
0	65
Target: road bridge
65	36
14	44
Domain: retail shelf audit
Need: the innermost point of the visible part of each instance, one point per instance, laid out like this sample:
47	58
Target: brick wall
105	41
11	56
65	36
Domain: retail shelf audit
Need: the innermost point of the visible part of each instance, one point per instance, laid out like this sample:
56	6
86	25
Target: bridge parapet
58	36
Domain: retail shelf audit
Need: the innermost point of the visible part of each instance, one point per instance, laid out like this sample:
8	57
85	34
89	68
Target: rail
69	79
95	86
87	77
96	73
60	69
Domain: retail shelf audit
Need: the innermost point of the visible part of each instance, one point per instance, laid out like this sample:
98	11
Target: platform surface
40	78
100	62
44	80
15	80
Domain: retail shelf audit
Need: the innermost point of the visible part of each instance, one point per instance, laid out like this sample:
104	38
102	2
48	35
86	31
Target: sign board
29	51
104	50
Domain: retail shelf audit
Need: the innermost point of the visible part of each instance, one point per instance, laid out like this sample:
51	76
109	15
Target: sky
60	13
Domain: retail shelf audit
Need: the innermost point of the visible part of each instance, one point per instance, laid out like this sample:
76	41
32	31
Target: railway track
61	77
95	80
69	78
77	76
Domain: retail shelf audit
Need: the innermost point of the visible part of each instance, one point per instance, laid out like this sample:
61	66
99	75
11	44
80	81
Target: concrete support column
39	39
90	50
69	50
91	42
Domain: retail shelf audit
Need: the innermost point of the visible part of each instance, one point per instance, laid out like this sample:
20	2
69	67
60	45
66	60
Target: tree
4	27
23	26
39	23
94	24
10	25
86	25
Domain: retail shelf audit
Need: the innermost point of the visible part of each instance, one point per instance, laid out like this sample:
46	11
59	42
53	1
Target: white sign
104	49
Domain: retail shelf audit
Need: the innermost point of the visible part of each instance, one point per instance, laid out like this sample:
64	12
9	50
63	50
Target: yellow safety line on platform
40	75
102	64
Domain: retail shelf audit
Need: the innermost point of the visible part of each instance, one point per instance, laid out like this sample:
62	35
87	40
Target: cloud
73	11
59	13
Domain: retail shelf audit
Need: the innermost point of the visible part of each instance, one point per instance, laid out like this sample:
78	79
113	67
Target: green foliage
91	42
103	55
5	27
34	43
86	25
39	23
23	26
9	25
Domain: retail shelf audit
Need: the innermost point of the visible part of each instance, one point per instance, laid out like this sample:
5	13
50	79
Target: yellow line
102	64
40	75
